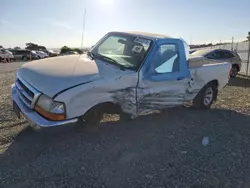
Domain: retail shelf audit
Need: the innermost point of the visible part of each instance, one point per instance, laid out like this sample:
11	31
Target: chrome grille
26	92
20	84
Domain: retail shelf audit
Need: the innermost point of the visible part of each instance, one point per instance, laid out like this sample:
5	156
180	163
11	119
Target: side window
222	55
218	55
166	59
228	55
210	55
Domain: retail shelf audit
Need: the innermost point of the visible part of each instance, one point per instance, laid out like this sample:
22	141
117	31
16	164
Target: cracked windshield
124	93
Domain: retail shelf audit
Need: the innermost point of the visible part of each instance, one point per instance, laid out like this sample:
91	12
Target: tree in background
32	46
17	48
78	50
66	49
1	46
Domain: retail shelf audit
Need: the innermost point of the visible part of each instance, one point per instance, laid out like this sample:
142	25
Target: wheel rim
234	72
208	96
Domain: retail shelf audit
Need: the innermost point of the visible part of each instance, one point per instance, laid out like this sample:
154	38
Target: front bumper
35	120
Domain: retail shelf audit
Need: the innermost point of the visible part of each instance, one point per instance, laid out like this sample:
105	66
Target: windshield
123	50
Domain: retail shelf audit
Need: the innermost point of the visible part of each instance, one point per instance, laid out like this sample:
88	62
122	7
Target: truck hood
52	75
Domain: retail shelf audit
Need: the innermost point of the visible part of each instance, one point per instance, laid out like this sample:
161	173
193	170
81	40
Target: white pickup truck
128	73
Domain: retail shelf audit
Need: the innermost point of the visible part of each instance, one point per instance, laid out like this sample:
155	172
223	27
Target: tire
205	98
234	71
89	121
124	117
25	58
94	116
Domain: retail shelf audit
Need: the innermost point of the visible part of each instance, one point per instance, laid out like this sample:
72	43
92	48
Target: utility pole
232	44
83	28
248	57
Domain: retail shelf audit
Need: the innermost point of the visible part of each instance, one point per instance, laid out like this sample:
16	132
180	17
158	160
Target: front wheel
94	116
206	96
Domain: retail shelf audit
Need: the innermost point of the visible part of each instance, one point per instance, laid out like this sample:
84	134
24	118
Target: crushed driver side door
163	79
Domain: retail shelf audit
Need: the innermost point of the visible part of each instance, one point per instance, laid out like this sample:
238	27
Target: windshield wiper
114	62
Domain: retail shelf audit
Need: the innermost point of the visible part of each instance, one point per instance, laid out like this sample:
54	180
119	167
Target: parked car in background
220	55
6	54
34	55
24	55
52	53
41	54
70	53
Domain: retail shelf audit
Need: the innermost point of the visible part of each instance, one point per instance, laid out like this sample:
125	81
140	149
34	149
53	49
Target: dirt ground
158	150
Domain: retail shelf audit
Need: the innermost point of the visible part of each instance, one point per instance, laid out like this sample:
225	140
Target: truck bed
205	73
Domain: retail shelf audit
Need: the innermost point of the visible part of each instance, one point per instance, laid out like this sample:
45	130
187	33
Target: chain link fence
242	48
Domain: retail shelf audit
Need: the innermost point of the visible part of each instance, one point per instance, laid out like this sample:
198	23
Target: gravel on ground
158	150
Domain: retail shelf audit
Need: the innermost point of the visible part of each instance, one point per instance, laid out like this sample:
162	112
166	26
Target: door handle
180	78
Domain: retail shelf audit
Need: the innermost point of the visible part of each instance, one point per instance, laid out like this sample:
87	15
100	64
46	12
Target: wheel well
215	82
106	107
237	66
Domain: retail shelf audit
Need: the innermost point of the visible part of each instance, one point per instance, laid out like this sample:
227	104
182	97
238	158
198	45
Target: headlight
50	109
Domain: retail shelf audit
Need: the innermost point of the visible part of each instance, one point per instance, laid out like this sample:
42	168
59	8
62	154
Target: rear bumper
35	120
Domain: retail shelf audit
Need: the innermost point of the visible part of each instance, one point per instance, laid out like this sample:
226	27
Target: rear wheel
234	71
206	96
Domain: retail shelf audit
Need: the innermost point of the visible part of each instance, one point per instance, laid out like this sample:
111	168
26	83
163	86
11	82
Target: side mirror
122	41
90	55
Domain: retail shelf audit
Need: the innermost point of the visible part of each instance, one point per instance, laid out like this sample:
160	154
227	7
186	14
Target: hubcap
208	96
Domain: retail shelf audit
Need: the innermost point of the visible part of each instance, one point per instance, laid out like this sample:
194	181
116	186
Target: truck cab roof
152	36
155	37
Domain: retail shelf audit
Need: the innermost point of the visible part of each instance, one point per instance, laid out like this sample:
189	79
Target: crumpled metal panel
126	98
158	100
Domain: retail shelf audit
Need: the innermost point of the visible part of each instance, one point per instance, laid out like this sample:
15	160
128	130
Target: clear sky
55	23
